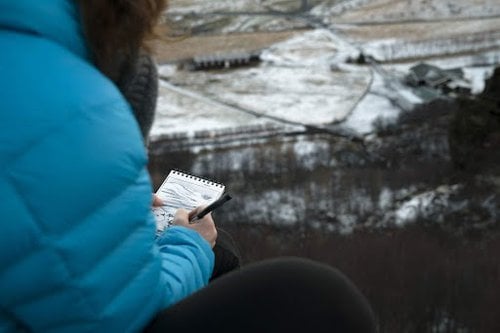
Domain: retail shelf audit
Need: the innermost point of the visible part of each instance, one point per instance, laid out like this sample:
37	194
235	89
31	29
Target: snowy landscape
332	154
309	81
309	71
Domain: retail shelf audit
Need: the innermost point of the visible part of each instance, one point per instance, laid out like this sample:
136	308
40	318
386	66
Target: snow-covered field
306	80
294	84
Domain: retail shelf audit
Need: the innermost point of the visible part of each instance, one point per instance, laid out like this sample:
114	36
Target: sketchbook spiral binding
197	178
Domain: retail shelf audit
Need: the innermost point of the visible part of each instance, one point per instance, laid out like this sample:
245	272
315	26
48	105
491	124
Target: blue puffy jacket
77	248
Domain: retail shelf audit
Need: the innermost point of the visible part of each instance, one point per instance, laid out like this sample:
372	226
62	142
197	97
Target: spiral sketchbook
182	190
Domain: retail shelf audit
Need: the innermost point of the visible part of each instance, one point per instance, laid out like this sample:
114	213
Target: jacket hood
56	20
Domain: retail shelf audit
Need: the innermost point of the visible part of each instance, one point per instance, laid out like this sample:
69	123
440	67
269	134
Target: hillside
330	154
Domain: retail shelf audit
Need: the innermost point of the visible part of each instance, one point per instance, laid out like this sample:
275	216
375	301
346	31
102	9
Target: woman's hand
157	202
205	226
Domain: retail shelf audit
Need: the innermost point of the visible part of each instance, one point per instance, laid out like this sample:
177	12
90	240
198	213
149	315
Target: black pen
216	204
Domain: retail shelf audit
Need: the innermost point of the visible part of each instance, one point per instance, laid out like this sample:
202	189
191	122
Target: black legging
279	295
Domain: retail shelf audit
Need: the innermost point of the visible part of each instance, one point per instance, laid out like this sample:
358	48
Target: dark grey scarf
138	82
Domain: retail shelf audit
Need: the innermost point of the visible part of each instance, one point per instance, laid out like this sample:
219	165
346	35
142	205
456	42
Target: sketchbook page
181	190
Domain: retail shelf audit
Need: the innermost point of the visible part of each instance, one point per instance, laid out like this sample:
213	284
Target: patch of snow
261	23
477	76
166	71
177	7
382	10
182	111
312	48
377	49
375	106
371	108
347	223
282	207
386	198
425	204
400	49
309	152
409	96
328	8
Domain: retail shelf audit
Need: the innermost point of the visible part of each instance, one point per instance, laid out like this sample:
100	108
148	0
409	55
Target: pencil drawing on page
181	190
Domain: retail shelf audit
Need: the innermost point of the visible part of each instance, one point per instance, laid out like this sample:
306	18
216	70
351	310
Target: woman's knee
319	288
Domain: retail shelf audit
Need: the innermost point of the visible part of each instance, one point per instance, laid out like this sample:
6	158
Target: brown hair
117	29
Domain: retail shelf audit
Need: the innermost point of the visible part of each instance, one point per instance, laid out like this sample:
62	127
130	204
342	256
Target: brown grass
413	277
180	48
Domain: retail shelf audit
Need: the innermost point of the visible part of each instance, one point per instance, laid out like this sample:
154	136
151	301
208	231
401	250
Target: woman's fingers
157	202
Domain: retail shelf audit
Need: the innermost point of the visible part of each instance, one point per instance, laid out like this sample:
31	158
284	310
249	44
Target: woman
77	249
77	237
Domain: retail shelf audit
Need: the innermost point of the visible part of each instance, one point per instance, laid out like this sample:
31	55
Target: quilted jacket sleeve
187	262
